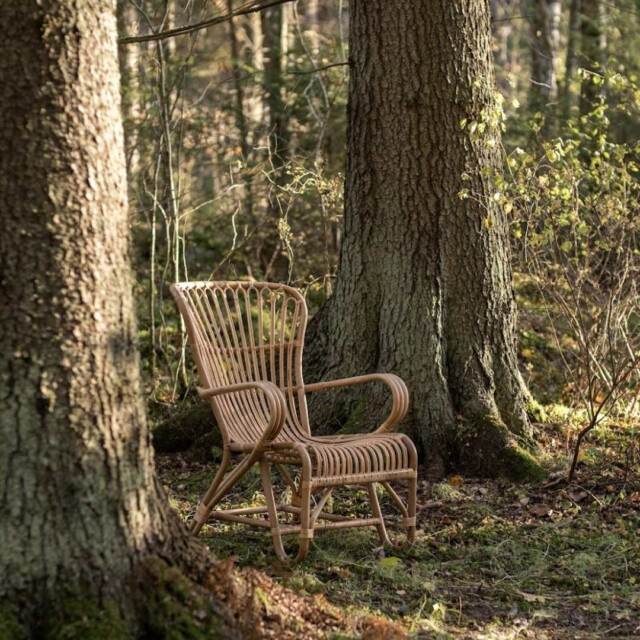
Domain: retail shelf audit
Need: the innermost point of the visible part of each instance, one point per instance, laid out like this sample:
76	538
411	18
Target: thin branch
510	18
251	7
302	72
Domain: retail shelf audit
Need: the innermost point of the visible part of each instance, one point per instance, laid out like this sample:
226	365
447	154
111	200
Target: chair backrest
245	332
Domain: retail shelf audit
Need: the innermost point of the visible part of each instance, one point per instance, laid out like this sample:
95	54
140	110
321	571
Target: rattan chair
247	341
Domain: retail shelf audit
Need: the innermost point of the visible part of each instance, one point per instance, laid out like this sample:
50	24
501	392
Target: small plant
576	222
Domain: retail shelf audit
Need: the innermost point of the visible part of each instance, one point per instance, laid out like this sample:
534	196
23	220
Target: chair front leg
205	506
272	510
306	525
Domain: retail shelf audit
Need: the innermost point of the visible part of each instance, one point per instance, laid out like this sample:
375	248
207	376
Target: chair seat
351	459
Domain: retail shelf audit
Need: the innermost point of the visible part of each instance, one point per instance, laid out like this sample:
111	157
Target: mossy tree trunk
424	285
80	505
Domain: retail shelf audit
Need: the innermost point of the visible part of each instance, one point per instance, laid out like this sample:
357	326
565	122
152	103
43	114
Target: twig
301	72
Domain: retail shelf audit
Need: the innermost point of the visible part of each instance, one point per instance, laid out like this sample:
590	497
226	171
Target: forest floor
492	560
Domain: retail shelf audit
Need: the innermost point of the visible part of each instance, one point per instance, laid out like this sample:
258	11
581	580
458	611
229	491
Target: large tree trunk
424	285
79	501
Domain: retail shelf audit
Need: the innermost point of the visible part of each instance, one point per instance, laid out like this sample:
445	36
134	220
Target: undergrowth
491	560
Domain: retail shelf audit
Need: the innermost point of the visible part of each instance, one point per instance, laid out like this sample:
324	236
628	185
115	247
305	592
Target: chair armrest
275	400
399	394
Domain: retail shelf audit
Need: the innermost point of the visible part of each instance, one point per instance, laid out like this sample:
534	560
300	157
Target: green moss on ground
183	427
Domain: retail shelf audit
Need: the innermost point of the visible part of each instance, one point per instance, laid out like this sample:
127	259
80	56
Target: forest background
236	160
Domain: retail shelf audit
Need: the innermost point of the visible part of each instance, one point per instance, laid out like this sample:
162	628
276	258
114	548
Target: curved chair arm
275	400
399	394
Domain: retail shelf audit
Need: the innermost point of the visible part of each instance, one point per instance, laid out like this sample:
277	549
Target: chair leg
377	513
205	507
272	509
410	520
306	525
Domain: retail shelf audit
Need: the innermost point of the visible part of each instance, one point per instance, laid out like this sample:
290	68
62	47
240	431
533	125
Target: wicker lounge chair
247	341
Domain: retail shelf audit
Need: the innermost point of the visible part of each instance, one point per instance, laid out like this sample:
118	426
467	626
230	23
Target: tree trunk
128	22
275	264
545	28
593	45
272	29
501	30
572	50
313	29
79	501
241	119
424	285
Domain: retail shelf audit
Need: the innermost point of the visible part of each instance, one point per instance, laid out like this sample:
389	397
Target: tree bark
545	28
424	283
128	23
79	501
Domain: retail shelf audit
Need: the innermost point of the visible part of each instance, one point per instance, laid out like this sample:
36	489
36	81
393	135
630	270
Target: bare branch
301	72
253	6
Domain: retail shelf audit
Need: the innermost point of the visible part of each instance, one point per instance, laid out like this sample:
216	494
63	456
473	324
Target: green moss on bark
175	608
81	618
487	448
355	421
520	465
536	412
183	427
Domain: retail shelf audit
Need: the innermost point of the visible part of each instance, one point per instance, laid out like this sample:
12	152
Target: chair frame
272	447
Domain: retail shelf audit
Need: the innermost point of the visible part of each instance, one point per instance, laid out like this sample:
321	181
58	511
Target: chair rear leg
377	513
